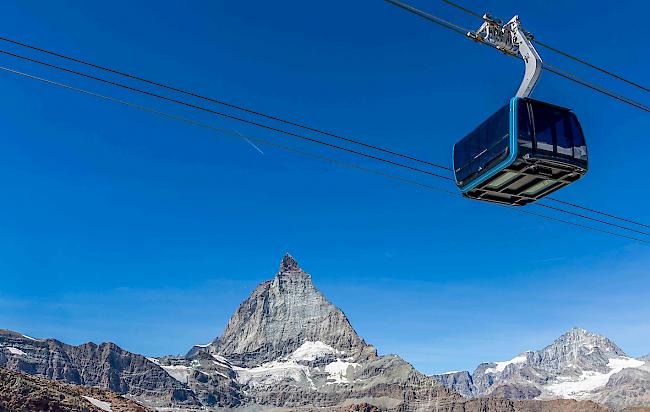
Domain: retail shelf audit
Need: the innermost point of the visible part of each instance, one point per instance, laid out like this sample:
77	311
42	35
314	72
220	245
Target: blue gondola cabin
523	152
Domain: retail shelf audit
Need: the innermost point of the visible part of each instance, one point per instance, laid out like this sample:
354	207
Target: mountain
106	366
578	365
280	315
286	347
22	392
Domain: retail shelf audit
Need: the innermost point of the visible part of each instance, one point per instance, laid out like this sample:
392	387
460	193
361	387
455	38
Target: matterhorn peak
282	314
289	264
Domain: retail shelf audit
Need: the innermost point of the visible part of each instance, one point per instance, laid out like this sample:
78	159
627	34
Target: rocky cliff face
577	365
460	382
280	315
106	366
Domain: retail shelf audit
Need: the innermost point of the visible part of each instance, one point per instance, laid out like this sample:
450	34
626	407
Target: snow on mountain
501	366
578	365
569	387
15	351
273	372
179	372
104	406
339	371
293	367
310	351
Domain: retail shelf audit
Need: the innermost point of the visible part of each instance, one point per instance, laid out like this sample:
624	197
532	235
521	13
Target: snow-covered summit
579	364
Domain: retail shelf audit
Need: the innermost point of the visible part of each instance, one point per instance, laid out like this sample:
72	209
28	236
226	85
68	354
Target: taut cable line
301	152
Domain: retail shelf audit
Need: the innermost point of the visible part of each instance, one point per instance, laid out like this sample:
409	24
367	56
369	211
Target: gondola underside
525	181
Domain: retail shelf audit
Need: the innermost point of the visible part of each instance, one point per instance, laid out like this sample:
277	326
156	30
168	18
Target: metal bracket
510	38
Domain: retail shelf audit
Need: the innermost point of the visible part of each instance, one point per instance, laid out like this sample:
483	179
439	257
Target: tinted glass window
557	132
544	127
525	136
563	134
579	145
484	147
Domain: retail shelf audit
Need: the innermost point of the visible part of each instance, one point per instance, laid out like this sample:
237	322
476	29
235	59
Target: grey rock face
629	388
579	349
518	391
212	379
460	382
106	366
279	316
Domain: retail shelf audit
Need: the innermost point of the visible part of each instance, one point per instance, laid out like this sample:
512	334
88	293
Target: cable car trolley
528	148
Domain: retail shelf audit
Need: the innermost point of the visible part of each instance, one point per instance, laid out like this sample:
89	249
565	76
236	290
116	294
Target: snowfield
589	380
289	368
104	406
338	371
310	351
273	372
501	366
179	372
15	351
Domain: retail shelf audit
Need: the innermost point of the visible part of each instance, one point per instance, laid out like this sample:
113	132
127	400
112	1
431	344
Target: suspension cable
557	209
553	49
301	152
591	65
552	69
456	28
435	19
239	119
426	15
223	103
596	211
559	72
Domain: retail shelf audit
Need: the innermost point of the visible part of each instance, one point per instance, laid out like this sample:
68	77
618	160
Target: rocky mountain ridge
105	366
578	365
22	392
288	347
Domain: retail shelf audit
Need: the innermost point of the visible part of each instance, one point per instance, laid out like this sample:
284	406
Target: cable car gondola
521	153
528	148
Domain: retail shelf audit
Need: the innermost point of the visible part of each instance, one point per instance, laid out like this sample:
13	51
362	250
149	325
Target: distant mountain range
578	365
286	346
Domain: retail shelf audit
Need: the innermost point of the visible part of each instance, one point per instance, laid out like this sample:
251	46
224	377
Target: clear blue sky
116	225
